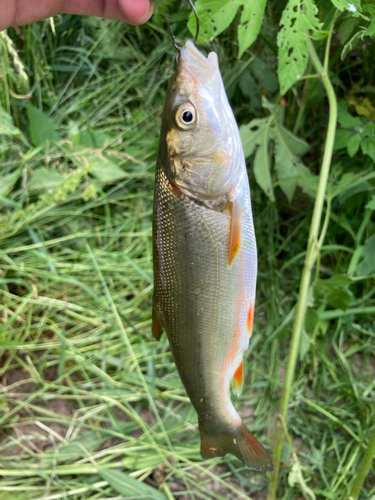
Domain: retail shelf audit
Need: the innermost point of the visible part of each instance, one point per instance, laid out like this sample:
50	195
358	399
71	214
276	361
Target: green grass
89	400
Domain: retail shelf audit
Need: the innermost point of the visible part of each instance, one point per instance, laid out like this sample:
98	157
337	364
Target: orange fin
250	318
237	380
235	230
157	327
237	440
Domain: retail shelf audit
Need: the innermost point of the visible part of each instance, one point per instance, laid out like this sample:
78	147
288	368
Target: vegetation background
91	406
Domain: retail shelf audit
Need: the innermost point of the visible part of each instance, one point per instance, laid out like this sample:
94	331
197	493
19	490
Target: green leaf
268	105
371	29
360	187
347	181
297	146
256	135
368	147
105	170
352	6
298	17
288	149
370	9
345	119
130	487
353	145
265	77
335	291
6	124
250	24
287	451
367	266
313	322
262	169
309	185
341	139
95	138
41	127
247	83
286	162
252	133
214	17
369	129
7	131
371	204
347	28
45	179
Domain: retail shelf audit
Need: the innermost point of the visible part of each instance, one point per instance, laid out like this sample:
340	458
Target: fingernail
135	11
148	13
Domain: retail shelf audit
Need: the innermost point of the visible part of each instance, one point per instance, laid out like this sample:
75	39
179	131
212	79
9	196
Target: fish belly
203	302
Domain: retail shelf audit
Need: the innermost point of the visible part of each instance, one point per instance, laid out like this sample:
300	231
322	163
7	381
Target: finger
20	12
129	11
137	12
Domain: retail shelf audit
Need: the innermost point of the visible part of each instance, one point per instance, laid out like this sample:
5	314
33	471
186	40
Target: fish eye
185	116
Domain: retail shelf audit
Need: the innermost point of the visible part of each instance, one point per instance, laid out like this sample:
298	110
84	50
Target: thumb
137	11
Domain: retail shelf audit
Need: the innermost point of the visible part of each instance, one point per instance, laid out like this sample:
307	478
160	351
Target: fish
204	252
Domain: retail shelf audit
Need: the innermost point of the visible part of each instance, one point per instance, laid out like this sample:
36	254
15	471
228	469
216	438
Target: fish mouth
205	69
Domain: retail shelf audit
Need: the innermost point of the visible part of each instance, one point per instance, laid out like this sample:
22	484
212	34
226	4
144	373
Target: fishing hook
197	32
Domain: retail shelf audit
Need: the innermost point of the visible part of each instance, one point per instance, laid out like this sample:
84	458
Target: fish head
202	143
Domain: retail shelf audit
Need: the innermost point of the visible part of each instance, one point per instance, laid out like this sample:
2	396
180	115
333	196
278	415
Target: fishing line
197	32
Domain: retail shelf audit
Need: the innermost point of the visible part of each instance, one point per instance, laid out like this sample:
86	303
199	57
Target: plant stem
363	469
311	254
302	106
328	44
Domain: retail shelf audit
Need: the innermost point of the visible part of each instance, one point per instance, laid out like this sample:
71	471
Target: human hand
19	12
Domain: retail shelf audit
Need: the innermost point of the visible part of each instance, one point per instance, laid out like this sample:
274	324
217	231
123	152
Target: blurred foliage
79	122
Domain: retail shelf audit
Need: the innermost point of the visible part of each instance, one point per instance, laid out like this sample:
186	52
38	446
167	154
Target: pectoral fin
157	327
235	230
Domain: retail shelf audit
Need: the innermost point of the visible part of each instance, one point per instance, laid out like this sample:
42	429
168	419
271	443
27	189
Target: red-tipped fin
239	441
157	327
235	230
237	380
250	318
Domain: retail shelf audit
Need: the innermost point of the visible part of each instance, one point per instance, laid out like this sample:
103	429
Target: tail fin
239	441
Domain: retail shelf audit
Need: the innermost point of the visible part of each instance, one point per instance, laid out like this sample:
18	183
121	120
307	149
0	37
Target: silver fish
205	258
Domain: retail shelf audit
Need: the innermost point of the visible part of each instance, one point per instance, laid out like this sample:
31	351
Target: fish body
205	259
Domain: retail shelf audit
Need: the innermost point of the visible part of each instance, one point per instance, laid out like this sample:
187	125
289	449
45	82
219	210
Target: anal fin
235	230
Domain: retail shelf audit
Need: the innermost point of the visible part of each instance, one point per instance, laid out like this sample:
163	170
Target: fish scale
192	298
205	253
